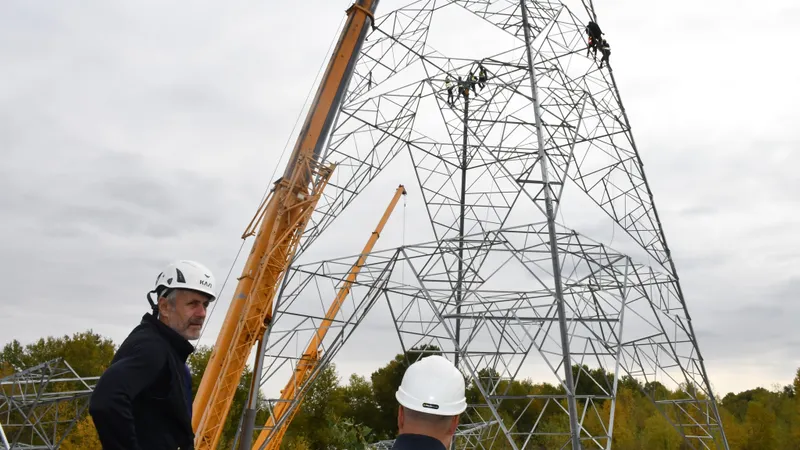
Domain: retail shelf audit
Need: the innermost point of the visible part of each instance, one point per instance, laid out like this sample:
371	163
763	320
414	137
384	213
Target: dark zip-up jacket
417	442
143	400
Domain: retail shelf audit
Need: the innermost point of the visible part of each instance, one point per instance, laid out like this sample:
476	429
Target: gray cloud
760	332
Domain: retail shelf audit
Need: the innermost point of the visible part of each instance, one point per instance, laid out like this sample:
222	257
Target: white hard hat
186	274
433	385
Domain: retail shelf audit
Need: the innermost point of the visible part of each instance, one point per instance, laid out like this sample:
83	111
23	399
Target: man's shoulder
417	442
143	338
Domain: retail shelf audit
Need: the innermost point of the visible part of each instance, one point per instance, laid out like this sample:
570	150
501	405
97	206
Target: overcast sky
135	133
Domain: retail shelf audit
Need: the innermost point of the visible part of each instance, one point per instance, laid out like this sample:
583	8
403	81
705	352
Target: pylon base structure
494	278
39	406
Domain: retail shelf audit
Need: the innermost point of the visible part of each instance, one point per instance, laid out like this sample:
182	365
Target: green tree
88	353
321	411
557	425
735	432
360	400
591	381
6	369
83	436
737	403
197	363
348	434
658	434
794	416
335	416
760	423
625	435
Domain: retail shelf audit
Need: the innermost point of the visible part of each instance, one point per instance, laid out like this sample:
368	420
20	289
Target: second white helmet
185	274
433	385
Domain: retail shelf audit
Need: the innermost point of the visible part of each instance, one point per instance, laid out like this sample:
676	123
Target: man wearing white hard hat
143	401
431	397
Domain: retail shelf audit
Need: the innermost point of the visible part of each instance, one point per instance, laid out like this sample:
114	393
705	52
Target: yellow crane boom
275	428
281	221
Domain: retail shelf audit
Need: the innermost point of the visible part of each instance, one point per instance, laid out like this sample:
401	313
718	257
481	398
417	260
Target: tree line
339	414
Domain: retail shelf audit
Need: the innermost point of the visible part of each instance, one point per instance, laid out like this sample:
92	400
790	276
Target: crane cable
403	267
320	71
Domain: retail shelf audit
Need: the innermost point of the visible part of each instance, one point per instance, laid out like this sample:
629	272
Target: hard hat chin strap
153	304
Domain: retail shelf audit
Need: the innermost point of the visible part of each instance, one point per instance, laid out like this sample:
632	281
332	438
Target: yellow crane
275	427
277	226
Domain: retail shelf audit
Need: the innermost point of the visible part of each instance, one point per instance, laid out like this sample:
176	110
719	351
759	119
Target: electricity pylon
494	278
39	406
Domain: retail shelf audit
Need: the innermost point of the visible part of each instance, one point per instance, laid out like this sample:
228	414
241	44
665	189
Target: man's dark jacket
417	442
141	402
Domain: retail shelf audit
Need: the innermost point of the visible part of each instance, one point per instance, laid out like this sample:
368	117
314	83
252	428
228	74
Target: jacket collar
183	347
418	442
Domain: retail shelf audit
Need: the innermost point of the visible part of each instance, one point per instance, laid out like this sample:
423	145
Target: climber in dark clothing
449	85
463	88
592	46
605	48
482	76
472	80
595	37
594	31
143	401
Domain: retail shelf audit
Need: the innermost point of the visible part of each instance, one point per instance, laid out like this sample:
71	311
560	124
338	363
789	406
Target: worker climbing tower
537	251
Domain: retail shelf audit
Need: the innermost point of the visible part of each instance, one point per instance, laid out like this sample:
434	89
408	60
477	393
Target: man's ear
454	425
401	418
163	306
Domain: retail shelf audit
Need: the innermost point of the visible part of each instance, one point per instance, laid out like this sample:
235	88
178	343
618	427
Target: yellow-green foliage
363	409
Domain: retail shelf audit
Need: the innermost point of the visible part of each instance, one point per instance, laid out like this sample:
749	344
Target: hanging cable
214	304
320	71
613	223
403	269
404	221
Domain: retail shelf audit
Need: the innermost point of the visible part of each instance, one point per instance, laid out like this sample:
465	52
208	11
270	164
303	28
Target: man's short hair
441	423
171	296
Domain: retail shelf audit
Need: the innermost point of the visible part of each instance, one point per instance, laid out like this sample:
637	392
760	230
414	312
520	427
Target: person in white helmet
144	399
431	397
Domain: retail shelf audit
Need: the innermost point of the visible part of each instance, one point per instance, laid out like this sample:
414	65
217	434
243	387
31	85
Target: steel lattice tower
503	285
39	406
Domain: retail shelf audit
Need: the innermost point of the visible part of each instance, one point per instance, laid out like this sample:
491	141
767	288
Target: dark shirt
417	442
143	400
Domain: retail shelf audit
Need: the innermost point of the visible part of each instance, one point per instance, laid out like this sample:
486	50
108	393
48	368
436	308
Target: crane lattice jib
308	366
280	222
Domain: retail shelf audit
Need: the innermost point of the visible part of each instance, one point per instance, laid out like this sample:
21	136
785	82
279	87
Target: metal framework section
296	320
503	286
40	406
